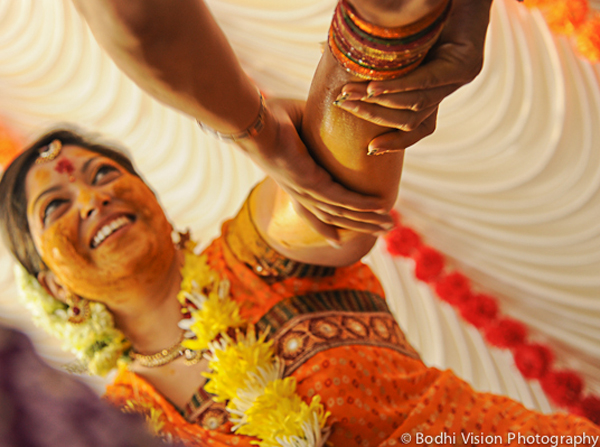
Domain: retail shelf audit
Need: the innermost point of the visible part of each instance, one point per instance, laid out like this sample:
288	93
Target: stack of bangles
376	53
367	51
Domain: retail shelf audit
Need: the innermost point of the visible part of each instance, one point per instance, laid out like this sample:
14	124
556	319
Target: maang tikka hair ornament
50	153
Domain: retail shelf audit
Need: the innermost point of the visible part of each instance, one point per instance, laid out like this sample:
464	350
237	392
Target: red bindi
64	166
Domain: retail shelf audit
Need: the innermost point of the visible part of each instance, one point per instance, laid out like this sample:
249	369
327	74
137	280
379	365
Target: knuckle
320	214
431	80
326	218
411	123
420	103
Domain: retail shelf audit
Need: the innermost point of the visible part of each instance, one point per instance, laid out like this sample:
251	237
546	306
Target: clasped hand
408	105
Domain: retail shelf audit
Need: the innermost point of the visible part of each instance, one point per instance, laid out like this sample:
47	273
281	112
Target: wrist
250	131
262	142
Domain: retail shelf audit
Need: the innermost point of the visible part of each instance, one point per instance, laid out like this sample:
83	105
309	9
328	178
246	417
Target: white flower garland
96	343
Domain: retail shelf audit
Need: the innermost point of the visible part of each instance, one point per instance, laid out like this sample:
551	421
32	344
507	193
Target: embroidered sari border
331	300
306	335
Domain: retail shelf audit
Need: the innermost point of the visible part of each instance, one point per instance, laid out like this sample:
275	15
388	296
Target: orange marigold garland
588	39
533	360
573	18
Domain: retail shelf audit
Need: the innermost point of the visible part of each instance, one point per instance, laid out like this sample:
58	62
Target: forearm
338	141
177	53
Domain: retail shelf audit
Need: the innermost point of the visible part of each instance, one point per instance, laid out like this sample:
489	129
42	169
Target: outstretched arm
182	58
338	140
178	54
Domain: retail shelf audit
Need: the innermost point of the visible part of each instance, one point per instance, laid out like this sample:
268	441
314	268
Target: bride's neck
149	316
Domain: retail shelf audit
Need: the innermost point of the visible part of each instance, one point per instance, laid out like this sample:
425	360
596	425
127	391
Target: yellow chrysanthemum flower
234	362
279	415
154	417
195	271
216	316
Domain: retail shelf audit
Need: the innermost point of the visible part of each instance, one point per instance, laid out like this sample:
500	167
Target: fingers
402	119
447	66
327	231
382	221
416	100
297	173
399	140
341	216
437	73
321	188
327	224
350	224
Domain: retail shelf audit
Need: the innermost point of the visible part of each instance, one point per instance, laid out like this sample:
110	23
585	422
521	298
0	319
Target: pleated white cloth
507	187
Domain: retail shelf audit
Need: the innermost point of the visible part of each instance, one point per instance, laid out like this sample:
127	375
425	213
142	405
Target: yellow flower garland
244	369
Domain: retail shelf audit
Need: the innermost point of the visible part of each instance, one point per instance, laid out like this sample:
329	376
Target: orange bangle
372	52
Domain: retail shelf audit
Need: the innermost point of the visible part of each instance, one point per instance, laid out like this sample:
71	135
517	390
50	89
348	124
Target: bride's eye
105	173
51	207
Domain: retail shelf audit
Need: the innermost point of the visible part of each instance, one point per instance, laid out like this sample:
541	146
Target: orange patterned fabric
334	330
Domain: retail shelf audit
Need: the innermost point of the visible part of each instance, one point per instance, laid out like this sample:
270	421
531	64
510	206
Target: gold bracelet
251	131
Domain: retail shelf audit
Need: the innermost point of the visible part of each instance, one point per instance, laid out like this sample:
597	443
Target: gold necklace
165	356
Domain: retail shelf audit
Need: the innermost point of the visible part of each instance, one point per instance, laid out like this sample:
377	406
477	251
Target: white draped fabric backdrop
507	187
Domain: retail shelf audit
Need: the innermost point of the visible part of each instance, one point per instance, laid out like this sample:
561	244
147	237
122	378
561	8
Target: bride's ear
50	283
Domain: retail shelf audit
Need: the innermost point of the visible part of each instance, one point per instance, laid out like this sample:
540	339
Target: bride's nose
90	201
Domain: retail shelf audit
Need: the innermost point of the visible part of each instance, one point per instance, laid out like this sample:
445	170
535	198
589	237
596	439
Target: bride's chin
136	254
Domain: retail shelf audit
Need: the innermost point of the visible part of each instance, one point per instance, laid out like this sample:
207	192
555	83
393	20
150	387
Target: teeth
108	229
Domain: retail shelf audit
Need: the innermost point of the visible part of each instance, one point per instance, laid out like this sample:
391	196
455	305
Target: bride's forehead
76	153
69	159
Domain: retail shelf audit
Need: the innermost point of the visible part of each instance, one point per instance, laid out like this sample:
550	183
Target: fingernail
381	151
373	93
341	98
334	244
388	226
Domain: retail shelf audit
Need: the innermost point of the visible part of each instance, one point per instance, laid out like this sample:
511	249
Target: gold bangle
251	131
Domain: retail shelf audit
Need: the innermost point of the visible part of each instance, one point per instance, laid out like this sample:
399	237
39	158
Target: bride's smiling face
96	226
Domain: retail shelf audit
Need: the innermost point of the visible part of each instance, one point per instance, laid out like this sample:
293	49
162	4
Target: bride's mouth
109	229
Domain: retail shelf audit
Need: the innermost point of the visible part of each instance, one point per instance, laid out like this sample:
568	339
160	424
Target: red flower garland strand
533	360
573	18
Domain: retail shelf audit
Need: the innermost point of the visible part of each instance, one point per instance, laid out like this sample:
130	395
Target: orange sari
337	337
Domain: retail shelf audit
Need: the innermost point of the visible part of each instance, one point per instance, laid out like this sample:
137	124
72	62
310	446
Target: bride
106	249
